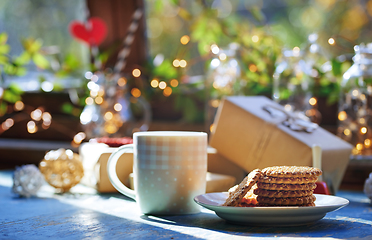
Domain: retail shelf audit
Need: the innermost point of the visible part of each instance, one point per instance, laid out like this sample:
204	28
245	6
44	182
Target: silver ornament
27	180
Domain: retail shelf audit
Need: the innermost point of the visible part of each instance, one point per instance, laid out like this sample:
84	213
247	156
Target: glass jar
355	104
292	82
222	80
111	110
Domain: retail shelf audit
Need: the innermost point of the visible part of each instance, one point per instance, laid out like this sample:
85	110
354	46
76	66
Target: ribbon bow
296	122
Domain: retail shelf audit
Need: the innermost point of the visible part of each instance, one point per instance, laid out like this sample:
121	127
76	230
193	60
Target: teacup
169	170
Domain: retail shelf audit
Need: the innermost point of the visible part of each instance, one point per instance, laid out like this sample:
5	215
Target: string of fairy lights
39	119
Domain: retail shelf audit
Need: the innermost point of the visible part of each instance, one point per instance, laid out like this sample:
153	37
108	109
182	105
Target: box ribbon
280	116
295	122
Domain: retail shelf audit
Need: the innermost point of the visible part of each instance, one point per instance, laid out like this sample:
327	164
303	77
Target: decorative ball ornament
62	169
368	187
27	180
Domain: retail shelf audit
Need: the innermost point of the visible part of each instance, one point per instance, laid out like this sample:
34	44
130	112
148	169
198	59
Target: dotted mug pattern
171	152
171	171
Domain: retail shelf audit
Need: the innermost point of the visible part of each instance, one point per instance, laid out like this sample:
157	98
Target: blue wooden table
112	216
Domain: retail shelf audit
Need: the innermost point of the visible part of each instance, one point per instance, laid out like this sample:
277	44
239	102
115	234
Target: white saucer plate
271	216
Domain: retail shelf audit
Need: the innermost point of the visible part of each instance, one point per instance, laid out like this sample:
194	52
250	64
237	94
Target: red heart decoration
93	32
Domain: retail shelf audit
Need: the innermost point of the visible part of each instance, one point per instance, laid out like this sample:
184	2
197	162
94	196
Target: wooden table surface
88	215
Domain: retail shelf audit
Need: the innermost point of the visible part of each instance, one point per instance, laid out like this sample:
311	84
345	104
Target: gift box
94	157
256	132
222	173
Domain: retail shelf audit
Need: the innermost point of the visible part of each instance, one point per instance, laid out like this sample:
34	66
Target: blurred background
75	70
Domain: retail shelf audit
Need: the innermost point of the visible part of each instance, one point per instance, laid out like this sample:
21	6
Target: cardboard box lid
254	106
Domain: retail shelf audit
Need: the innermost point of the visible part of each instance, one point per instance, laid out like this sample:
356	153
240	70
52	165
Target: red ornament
93	32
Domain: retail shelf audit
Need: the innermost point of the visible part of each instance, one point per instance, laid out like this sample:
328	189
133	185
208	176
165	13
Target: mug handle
111	170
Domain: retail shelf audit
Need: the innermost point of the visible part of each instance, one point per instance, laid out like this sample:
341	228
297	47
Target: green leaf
20	71
72	62
3	38
333	97
31	45
183	13
11	97
4	49
11	69
3	60
257	13
40	61
336	67
67	108
165	70
15	88
158	5
23	59
3	108
190	110
57	87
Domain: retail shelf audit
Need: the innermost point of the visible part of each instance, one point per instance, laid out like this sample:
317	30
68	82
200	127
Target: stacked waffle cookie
276	186
287	186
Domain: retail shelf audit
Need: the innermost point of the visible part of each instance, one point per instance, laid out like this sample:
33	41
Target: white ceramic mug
169	170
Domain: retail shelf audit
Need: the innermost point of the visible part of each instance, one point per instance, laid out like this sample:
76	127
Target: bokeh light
312	101
94	78
7	124
118	107
363	130
342	116
88	75
162	85
296	51
331	41
359	146
154	83
347	132
167	91
122	81
185	39
89	101
46	117
99	100
108	116
47	86
31	127
222	57
79	137
255	38
367	142
174	82
214	103
176	63
136	72
135	92
19	106
183	63
252	68
215	49
36	114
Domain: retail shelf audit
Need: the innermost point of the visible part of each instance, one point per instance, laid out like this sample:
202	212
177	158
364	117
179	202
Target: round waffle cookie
236	194
286	187
289	180
281	194
290	201
291	171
